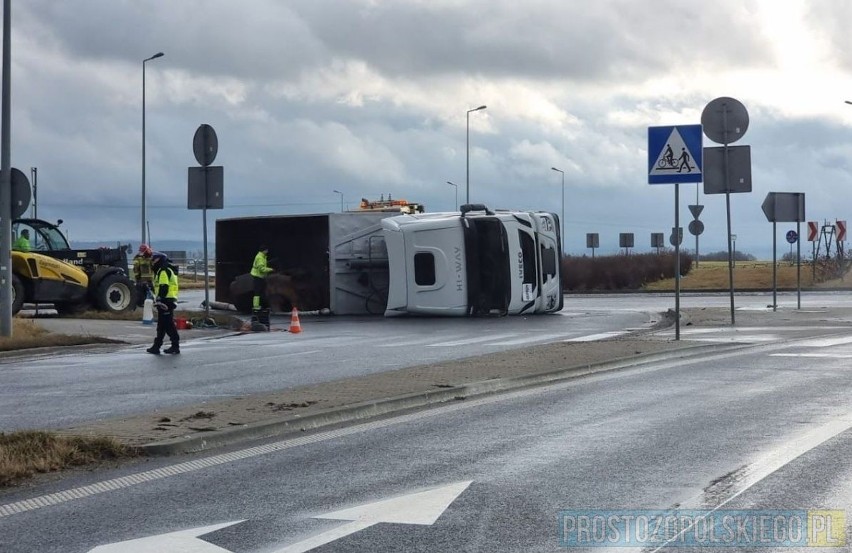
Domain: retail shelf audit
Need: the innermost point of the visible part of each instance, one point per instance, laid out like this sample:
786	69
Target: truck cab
475	262
534	246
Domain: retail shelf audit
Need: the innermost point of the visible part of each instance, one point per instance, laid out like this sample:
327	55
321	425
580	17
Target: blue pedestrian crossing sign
675	154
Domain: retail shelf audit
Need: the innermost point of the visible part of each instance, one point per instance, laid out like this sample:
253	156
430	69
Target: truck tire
116	294
17	294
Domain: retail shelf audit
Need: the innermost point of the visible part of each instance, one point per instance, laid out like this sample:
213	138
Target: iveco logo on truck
459	263
521	266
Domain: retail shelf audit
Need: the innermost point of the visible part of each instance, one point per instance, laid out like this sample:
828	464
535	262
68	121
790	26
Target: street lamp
457	194
341	199
467	181
563	205
155	56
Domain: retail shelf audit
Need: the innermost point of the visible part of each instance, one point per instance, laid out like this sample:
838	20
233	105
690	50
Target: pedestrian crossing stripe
675	154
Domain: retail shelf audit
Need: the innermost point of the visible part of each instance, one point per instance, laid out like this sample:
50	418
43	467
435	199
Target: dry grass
26	334
25	454
748	275
187	282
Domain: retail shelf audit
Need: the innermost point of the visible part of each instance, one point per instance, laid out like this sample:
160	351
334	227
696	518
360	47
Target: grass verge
28	453
748	275
26	334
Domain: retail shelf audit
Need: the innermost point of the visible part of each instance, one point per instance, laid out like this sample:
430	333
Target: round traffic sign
676	237
724	120
205	145
696	227
792	236
21	193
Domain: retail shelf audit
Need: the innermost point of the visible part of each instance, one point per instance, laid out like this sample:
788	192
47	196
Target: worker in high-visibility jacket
143	273
22	244
166	291
259	271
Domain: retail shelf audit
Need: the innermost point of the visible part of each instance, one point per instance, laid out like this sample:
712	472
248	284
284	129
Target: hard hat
146	250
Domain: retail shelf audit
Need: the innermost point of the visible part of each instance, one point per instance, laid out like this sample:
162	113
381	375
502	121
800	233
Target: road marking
423	508
477	340
741	481
825	342
185	541
528	339
595	337
815	355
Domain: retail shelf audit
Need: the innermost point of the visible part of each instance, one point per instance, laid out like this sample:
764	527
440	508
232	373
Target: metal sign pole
697	256
206	264
6	181
676	235
799	264
774	267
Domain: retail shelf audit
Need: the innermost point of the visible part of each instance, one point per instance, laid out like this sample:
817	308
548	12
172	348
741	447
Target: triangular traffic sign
696	210
675	154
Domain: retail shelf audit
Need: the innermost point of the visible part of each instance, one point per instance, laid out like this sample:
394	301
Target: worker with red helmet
143	273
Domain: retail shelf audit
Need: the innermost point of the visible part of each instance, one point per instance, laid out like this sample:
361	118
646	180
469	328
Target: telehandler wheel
17	294
116	293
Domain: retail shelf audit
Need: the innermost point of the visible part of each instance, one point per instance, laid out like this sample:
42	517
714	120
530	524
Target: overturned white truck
475	262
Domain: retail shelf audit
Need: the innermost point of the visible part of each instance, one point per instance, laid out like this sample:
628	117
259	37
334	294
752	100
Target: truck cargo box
335	261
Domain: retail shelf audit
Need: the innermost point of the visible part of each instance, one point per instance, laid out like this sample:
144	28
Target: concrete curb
360	412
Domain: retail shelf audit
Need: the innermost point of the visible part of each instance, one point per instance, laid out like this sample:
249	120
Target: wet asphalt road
765	427
65	389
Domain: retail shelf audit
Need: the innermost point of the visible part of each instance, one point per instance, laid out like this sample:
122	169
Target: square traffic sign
675	154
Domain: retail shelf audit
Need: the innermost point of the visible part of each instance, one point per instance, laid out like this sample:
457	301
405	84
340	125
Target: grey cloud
540	38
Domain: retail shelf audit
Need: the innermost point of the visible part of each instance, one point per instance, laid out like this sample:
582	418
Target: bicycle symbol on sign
668	161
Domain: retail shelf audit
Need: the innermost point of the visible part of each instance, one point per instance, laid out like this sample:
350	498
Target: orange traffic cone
295	325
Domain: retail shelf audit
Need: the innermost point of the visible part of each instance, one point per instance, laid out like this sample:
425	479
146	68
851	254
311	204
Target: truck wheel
17	294
116	293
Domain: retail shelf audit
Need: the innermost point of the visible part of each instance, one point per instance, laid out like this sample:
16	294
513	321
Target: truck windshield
51	237
527	261
42	237
487	253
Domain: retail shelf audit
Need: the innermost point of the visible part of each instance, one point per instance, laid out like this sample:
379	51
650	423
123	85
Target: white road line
773	461
529	339
477	340
815	355
595	337
825	342
407	343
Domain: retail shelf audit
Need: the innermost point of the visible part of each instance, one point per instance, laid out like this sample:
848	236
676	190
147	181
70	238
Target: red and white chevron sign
813	229
841	231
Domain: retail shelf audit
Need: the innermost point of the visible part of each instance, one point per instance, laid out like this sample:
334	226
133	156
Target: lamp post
341	199
144	217
563	205
467	178
456	207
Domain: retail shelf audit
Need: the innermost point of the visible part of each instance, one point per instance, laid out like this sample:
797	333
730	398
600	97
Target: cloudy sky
370	97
